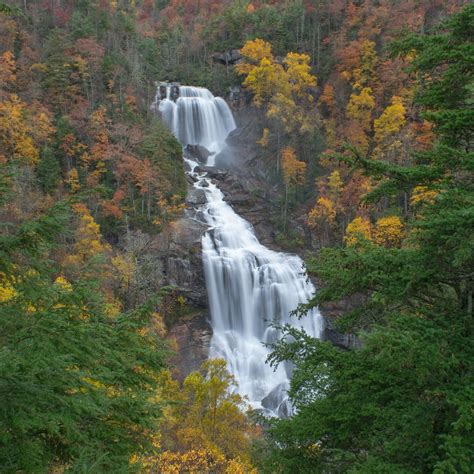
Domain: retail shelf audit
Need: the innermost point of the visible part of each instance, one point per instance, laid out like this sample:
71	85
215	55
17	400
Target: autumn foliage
89	178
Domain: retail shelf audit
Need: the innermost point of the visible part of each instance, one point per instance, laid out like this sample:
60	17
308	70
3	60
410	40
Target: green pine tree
77	385
402	402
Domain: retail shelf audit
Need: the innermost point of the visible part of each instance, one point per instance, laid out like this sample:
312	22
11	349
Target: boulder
277	401
190	179
213	173
196	197
197	153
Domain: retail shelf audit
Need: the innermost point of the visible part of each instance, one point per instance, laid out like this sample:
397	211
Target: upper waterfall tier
195	116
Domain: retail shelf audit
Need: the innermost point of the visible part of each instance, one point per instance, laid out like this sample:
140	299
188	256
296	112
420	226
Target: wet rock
190	179
278	398
213	173
173	88
196	197
187	166
197	153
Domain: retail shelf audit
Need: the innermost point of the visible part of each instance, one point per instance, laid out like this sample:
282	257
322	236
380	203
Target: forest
354	150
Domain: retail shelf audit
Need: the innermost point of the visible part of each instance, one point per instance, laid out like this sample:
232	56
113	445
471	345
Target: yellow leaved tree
422	195
390	133
293	169
322	218
266	80
7	70
391	121
294	172
266	77
201	461
365	71
253	52
388	231
359	112
7	291
88	239
360	106
284	89
299	74
335	184
204	427
357	230
16	141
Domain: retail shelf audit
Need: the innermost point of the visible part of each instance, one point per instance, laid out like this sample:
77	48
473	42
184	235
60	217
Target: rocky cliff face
246	179
191	338
180	250
182	264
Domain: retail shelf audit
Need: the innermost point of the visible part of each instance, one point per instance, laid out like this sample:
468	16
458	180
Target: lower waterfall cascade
250	287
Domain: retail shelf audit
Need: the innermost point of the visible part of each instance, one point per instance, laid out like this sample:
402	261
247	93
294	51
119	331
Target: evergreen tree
402	402
77	385
49	171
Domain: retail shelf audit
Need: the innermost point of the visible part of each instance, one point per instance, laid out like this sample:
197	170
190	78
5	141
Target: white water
197	118
249	286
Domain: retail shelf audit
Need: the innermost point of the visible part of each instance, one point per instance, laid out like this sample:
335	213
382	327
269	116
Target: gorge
251	289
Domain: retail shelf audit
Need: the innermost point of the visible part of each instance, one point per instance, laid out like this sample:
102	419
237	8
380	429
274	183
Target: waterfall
249	286
196	117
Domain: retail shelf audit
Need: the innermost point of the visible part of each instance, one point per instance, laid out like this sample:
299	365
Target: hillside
122	267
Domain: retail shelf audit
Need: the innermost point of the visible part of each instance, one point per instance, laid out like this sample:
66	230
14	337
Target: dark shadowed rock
278	397
213	173
197	153
180	248
190	179
229	57
331	312
337	338
192	337
240	198
180	252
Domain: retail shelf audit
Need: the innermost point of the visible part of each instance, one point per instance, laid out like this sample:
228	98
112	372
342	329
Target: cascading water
249	286
196	117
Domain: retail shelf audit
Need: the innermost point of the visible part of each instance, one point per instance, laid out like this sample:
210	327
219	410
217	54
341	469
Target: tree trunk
278	152
318	50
